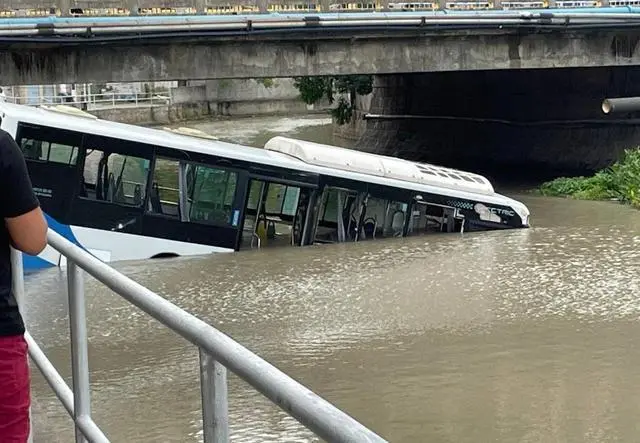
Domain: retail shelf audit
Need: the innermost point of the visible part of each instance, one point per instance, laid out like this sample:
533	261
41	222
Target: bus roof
279	152
378	165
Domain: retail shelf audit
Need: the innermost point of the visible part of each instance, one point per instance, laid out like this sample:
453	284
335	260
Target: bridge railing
104	100
87	8
217	352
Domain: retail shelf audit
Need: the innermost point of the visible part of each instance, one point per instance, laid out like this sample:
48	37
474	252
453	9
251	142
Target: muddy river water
520	336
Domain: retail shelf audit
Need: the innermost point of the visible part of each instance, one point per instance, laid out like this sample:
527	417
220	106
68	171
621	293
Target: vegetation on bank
619	182
346	87
267	82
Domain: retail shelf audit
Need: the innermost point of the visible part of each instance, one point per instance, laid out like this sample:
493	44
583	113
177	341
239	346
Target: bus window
49	152
275	198
114	178
254	195
165	192
211	192
331	206
275	215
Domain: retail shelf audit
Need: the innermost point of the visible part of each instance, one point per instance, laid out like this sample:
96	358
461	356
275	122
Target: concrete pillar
262	6
388	97
497	4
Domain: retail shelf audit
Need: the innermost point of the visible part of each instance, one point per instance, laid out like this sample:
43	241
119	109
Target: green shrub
621	181
314	89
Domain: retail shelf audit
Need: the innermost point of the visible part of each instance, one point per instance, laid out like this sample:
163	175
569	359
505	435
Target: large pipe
622	104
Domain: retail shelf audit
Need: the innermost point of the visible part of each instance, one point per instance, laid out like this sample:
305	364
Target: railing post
17	276
17	286
79	346
213	386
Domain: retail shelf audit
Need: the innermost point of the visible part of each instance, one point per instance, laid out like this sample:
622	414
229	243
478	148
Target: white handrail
218	352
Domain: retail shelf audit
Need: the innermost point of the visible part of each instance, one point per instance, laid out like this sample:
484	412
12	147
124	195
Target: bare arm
28	231
19	206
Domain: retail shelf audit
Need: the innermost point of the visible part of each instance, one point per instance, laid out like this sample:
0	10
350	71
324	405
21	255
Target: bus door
112	185
52	160
277	213
194	202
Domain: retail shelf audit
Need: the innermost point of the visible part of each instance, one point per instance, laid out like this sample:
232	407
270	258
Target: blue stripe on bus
63	230
31	262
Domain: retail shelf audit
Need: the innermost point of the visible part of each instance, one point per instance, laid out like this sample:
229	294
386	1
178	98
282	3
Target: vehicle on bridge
125	192
284	7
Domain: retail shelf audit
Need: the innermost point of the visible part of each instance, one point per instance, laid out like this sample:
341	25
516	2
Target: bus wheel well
166	255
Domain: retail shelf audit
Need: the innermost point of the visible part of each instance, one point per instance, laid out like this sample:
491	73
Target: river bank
620	182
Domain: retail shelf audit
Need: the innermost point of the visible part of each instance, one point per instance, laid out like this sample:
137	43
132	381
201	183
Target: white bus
124	192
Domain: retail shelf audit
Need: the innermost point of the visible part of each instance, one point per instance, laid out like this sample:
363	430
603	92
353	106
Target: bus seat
137	195
110	188
154	198
397	223
118	194
369	227
271	230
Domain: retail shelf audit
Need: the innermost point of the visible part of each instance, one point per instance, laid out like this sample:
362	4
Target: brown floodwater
525	335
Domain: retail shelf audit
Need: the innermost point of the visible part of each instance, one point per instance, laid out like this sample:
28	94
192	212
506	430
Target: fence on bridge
218	352
92	101
41	8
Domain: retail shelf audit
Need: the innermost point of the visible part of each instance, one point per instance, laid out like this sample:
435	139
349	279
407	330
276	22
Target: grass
621	182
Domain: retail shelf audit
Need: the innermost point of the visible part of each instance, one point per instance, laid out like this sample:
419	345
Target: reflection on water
524	335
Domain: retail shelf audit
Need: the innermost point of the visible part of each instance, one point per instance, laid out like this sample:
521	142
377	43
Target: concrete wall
200	100
242	97
163	114
188	94
289	54
238	90
547	120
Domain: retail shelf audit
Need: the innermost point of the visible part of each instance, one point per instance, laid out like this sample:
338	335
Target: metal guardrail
106	100
109	30
218	352
67	8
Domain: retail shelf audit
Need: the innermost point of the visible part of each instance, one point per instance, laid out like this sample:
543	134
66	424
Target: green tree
313	89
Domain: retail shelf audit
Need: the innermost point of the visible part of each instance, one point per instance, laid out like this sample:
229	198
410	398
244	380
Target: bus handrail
218	352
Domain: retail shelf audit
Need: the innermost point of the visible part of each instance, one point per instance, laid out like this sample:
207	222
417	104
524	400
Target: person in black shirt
23	226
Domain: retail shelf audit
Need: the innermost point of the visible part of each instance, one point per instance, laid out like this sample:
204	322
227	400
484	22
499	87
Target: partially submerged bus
124	192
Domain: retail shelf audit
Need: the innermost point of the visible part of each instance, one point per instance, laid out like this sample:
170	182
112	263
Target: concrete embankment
216	98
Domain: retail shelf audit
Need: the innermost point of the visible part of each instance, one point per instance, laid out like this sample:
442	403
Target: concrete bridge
474	88
130	49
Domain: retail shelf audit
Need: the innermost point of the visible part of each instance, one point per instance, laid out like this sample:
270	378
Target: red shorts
15	396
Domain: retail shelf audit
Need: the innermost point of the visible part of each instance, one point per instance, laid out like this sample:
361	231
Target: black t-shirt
16	198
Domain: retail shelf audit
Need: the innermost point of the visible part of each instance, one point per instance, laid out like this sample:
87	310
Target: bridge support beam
538	121
255	56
